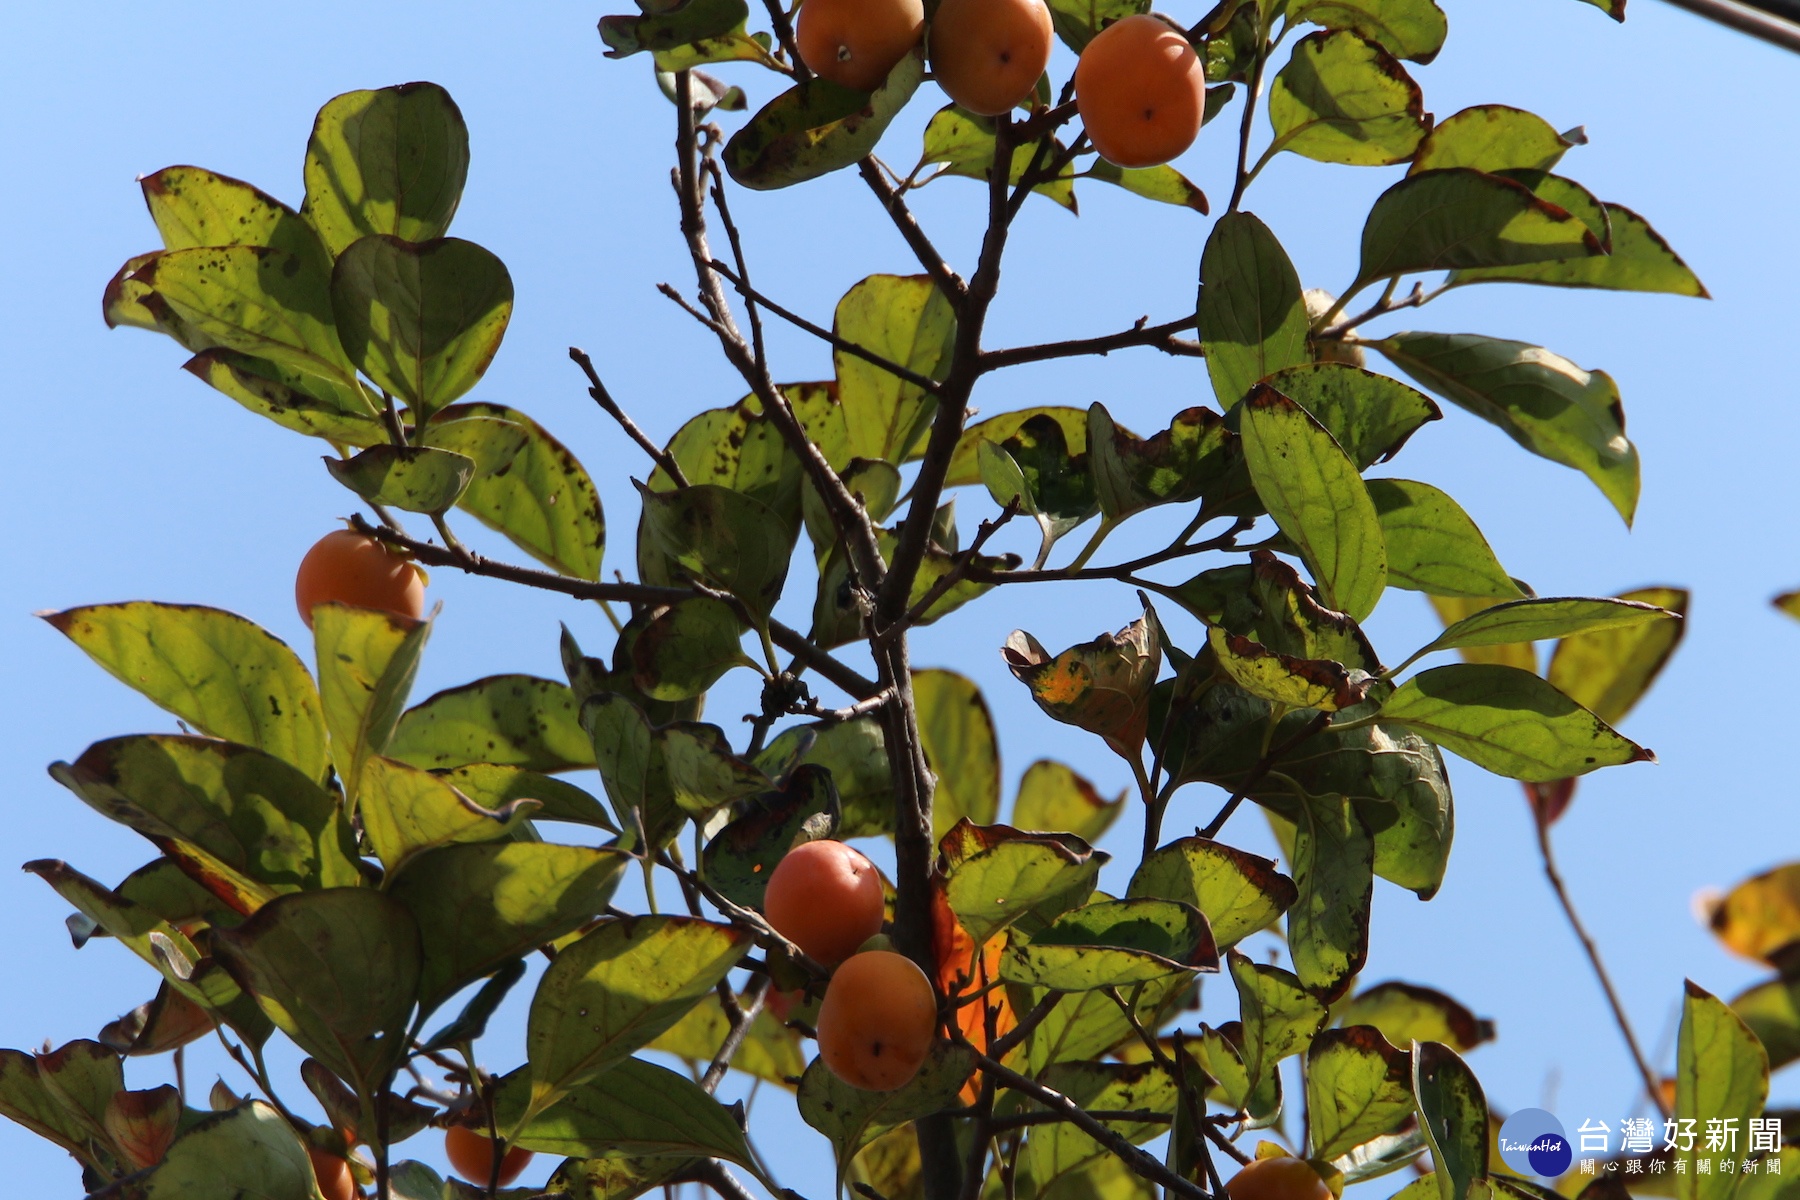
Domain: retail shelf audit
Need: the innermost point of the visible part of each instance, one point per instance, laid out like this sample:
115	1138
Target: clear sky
128	479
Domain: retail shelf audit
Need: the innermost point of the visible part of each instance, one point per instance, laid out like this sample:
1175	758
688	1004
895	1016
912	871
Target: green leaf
1491	137
615	989
1284	679
964	144
669	26
496	787
633	1108
511	720
686	648
367	662
1370	415
1357	1088
1412	29
703	773
957	733
422	320
1509	722
1442	220
1086	1025
1722	1073
491	442
1318	499
1454	1115
1239	892
255	813
852	1117
260	301
1450	610
1114	943
738	448
482	905
817	127
770	1051
1053	798
1640	261
1034	464
406	811
303	403
1612	8
1195	458
218	672
1343	99
740	858
1433	545
1546	403
616	1178
391	161
415	478
1334	872
1608	671
544	502
1163	184
27	1099
336	970
855	755
1058	1150
1535	620
249	1151
1406	1013
1771	1011
1280	1016
194	207
994	874
718	537
1252	319
964	467
906	320
1077	21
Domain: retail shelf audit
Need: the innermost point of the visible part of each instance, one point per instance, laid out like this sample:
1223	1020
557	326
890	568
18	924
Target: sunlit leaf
1054	798
391	161
1722	1074
1453	1112
906	320
367	662
1491	137
1370	415
1344	99
852	1118
1114	943
957	733
817	127
1406	1013
1252	320
994	875
1412	29
1357	1087
1608	671
1239	892
1433	545
633	1108
512	720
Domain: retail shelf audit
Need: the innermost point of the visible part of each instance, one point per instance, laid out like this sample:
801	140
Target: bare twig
740	1018
1123	572
1142	333
923	382
604	399
1003	1045
1026	1119
960	567
791	640
1652	1087
948	281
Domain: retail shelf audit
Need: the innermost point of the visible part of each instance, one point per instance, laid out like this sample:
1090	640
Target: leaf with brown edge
1407	1013
142	1124
1240	893
1760	917
995	875
1358	1087
1283	679
1195	458
1102	686
167	1021
1053	797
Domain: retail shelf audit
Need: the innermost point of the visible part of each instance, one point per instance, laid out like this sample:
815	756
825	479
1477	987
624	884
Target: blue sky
129	479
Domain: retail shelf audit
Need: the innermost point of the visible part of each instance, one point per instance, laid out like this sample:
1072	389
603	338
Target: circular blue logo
1532	1142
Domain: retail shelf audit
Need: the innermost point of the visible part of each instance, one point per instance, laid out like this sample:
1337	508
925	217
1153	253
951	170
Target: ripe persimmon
471	1155
987	55
1141	91
1279	1178
333	1173
825	898
353	569
857	42
877	1021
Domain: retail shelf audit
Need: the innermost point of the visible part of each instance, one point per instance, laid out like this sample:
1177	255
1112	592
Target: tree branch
604	399
1262	768
791	640
1161	337
947	280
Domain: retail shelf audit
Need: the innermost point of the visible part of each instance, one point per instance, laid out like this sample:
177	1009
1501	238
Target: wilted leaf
1760	917
1102	686
1284	679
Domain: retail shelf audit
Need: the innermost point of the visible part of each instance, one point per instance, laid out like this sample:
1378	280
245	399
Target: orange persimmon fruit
333	1173
353	569
1141	91
471	1155
987	55
825	897
877	1021
856	43
1277	1178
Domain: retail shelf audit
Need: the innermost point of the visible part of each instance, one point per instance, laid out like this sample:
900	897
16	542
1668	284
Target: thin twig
1251	91
604	399
1003	1045
789	639
959	568
1652	1086
1142	333
948	281
751	296
1124	571
757	349
740	1022
1026	1119
1262	768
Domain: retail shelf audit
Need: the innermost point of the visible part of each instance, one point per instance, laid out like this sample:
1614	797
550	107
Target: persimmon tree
369	879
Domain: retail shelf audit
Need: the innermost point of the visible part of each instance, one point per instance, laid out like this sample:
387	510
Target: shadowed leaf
1251	317
512	720
1344	99
391	161
1239	892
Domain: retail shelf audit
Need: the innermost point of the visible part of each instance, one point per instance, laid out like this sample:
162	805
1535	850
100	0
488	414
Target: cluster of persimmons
1139	86
879	1015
